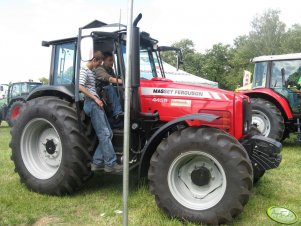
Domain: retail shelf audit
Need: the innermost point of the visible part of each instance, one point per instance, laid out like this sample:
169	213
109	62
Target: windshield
32	86
149	66
285	73
286	80
260	73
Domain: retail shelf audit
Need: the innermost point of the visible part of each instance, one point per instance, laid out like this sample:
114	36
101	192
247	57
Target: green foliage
216	63
44	80
267	33
225	64
187	48
292	40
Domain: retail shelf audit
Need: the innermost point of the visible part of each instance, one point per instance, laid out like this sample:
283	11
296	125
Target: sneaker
95	167
114	169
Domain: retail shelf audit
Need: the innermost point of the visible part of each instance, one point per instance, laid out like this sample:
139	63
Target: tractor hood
162	87
172	100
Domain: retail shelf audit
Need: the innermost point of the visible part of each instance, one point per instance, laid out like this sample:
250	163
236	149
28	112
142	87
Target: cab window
16	90
64	63
260	74
286	73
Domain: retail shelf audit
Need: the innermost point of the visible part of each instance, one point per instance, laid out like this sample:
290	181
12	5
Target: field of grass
97	202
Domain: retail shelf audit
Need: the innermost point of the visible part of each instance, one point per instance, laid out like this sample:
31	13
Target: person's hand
119	81
98	102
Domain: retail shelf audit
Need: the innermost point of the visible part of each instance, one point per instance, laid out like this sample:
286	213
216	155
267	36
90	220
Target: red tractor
276	95
15	100
195	144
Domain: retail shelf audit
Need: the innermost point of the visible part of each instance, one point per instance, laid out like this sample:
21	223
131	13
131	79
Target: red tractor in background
15	100
195	144
276	95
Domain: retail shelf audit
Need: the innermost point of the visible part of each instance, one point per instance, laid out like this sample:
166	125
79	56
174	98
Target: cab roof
291	56
99	26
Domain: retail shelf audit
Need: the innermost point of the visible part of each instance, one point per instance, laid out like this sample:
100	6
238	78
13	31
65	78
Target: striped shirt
87	79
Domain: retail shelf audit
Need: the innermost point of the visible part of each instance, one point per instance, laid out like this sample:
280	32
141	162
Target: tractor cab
283	75
21	90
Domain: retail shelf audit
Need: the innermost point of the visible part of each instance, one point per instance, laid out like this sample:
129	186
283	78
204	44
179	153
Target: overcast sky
25	23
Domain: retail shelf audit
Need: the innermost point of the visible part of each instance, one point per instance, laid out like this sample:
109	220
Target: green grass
97	202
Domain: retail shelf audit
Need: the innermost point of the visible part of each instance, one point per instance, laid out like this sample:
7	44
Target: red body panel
269	92
172	100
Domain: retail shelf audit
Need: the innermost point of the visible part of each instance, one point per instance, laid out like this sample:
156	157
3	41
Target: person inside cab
105	77
104	157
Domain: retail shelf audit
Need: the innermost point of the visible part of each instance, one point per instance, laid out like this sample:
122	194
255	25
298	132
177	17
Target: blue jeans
113	99
104	153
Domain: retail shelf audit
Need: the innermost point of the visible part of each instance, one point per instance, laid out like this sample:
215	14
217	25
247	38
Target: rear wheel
48	149
14	112
202	175
267	118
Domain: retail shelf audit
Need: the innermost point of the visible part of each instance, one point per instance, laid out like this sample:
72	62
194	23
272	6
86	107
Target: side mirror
86	48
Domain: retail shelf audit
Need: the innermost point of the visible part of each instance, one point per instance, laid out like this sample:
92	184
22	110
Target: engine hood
167	88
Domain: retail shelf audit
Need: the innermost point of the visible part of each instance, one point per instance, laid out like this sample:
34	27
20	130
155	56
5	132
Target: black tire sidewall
273	114
234	178
48	185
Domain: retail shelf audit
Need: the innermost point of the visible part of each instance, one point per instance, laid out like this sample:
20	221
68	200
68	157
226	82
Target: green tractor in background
15	100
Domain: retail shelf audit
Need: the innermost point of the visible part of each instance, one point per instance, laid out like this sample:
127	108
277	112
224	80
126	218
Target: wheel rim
41	148
15	112
186	191
262	122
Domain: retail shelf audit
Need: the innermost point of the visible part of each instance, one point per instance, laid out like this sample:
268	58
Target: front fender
157	137
272	96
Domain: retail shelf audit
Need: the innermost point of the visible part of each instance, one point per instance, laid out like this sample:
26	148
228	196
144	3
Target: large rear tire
267	118
14	112
50	153
202	175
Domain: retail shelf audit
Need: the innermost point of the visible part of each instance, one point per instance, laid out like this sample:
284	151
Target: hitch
264	152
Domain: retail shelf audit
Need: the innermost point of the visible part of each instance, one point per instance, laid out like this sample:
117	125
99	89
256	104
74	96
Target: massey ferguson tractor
276	95
195	144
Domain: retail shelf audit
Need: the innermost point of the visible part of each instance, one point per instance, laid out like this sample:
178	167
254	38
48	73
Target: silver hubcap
183	186
41	148
262	122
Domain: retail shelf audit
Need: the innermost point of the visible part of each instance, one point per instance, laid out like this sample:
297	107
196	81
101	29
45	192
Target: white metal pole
126	141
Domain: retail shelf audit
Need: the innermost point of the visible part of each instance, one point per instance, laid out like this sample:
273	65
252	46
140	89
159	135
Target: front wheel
202	175
50	153
267	118
14	112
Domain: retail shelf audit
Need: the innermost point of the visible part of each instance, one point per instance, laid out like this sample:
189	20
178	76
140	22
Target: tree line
225	63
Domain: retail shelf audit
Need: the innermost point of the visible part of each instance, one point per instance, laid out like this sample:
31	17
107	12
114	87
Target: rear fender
66	92
157	137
